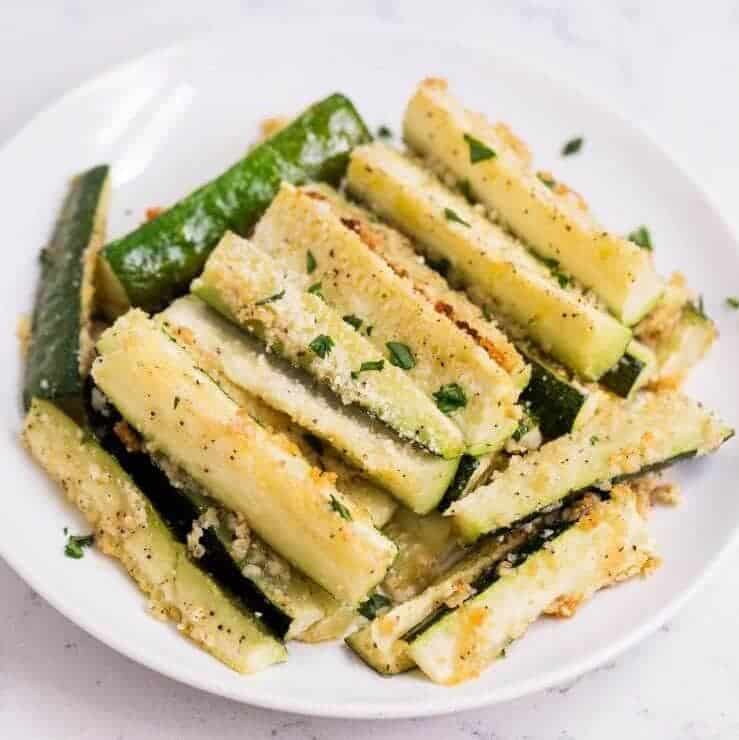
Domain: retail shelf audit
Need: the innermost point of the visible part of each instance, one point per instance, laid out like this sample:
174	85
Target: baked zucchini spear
621	440
186	418
128	528
303	232
220	542
60	349
232	356
254	291
156	262
610	542
551	219
486	261
552	396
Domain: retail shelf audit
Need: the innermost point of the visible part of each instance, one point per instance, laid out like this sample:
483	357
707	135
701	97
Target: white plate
171	120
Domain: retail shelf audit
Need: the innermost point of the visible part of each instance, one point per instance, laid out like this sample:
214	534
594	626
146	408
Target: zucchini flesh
400	255
687	344
60	350
609	543
620	439
251	289
486	261
412	475
426	548
632	371
357	282
128	528
183	415
542	212
382	644
156	262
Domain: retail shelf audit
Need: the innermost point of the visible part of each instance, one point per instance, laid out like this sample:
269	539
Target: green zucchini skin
467	467
179	509
554	403
620	379
156	262
53	363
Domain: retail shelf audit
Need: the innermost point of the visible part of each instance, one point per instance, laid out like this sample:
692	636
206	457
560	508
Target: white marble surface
674	68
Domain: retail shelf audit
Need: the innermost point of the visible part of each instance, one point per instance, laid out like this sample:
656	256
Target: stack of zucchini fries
412	398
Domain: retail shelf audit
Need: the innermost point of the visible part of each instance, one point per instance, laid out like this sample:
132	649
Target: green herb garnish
550	182
732	302
368	330
699	308
562	278
486	312
369	608
340	509
369	365
451	215
478	151
401	355
573	146
75	543
642	238
384	132
353	320
322	345
271	298
315	289
450	397
310	262
594	440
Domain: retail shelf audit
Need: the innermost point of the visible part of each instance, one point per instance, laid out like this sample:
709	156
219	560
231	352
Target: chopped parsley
699	308
479	152
594	440
642	238
562	278
384	132
368	330
450	397
369	365
353	320
322	345
486	312
451	215
549	181
310	262
372	605
401	355
75	543
525	425
271	298
732	302
573	146
340	509
315	289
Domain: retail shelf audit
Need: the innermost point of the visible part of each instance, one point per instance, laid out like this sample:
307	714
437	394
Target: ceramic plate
173	119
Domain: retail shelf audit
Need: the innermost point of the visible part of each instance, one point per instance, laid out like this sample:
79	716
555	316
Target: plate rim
415	708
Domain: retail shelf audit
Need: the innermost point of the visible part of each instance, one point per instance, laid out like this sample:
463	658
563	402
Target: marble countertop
674	68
